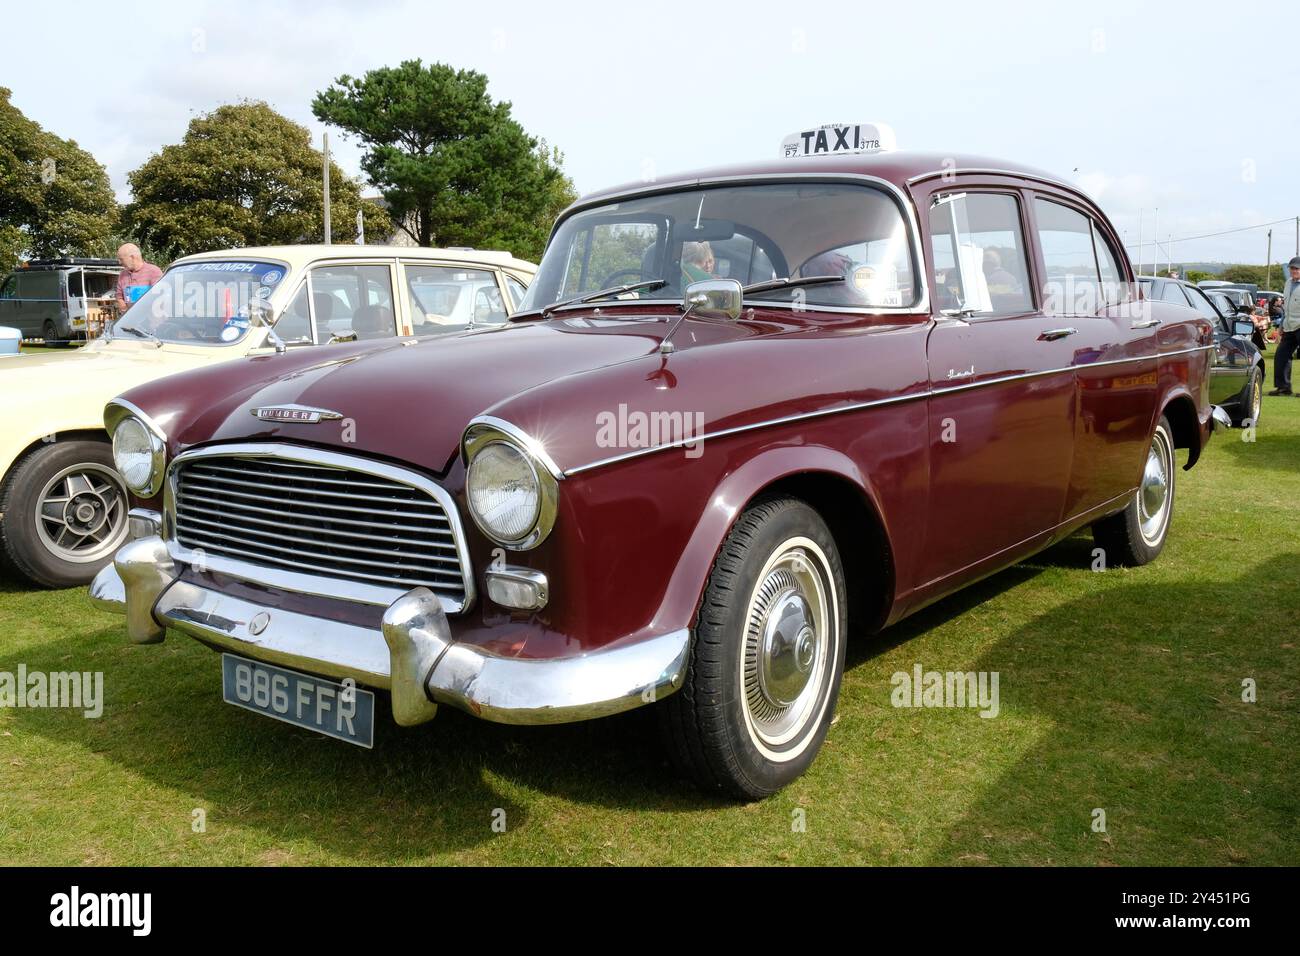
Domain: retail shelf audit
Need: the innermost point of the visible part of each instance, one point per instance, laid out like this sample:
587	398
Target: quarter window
446	298
979	254
294	325
517	289
1072	285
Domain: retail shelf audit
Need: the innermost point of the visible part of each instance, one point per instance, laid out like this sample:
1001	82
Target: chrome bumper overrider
413	656
1219	418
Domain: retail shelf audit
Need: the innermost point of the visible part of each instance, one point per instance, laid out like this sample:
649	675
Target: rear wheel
1137	534
767	655
65	513
1251	400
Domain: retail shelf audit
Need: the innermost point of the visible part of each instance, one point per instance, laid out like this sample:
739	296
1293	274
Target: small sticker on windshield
230	333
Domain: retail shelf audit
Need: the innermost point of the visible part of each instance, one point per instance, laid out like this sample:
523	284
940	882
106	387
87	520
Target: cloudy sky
1190	108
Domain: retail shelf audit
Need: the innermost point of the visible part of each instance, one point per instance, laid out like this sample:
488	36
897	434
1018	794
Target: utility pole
1170	252
1155	232
325	140
1141	213
1268	259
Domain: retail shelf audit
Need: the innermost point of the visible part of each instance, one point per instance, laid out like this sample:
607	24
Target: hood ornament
294	414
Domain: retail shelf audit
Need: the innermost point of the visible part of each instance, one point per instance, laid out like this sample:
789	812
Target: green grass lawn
1120	690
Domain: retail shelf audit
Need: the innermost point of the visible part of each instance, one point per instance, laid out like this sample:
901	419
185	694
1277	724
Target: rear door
1113	348
1002	404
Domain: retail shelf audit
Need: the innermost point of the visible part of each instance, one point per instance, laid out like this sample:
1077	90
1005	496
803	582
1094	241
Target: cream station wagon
63	508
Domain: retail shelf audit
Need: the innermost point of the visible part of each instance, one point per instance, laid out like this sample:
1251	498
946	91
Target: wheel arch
71	434
1186	424
832	484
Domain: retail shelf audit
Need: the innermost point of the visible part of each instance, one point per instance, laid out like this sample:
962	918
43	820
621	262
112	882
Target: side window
979	254
517	289
1072	285
353	298
294	325
448	297
1172	292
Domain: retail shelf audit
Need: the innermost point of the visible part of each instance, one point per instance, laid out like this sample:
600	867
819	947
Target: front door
1003	392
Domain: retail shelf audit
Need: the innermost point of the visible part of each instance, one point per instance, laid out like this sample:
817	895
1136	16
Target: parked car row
737	416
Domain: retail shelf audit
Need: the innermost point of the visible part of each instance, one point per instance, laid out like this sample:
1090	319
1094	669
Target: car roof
299	256
899	167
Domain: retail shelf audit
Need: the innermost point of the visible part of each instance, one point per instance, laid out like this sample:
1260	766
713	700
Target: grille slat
320	520
290	498
383	552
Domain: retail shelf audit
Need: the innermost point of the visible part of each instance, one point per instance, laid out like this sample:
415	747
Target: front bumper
413	655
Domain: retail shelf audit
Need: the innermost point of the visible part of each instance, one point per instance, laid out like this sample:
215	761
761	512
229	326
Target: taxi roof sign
839	139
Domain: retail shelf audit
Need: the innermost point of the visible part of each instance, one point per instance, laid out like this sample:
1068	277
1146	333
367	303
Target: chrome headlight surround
486	431
119	413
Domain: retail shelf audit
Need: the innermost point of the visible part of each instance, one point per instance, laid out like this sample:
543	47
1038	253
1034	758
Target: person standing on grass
1290	341
136	276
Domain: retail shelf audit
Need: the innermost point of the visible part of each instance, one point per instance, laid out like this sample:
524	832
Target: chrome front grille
318	522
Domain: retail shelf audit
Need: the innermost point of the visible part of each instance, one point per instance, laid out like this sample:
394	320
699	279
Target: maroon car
743	414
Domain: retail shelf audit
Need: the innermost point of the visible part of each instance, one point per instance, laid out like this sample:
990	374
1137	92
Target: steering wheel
610	280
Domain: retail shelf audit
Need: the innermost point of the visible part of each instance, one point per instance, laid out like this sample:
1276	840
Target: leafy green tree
55	199
454	167
244	175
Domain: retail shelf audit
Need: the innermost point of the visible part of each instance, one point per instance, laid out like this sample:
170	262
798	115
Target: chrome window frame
301	582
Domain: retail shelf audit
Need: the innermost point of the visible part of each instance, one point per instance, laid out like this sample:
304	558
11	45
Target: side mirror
713	299
1243	328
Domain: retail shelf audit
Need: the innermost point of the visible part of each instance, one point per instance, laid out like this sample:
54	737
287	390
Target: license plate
342	711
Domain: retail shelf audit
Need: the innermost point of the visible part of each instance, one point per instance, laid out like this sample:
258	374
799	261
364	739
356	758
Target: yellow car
63	509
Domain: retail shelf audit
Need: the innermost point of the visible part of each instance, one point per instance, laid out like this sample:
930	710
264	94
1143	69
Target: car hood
49	392
407	400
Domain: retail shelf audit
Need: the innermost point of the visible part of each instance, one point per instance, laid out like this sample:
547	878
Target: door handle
1145	324
1051	335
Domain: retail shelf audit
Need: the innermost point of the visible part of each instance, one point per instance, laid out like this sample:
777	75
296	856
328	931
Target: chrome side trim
857	406
305	582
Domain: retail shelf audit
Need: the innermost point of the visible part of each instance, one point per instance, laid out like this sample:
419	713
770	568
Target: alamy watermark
922	688
633	429
75	690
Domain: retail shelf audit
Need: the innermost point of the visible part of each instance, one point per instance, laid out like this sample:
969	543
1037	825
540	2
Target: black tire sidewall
764	775
22	544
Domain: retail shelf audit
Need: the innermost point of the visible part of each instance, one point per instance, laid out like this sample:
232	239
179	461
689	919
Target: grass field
1120	691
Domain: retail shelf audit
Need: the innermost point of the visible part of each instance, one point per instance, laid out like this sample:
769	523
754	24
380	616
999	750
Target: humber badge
301	414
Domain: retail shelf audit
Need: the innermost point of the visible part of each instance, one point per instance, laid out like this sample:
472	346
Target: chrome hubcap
1153	496
788	635
81	514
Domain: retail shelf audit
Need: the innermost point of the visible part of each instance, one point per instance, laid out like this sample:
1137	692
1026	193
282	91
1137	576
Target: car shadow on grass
1149	735
421	792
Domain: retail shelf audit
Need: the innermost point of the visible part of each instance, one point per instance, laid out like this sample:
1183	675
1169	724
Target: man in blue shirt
1290	342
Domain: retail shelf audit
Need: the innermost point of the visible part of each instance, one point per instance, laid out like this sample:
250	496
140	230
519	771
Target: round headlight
503	491
133	455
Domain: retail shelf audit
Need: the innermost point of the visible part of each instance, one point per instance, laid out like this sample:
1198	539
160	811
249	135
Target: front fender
686	586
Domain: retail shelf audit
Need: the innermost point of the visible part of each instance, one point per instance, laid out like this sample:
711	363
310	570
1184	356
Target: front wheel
1137	534
767	655
65	513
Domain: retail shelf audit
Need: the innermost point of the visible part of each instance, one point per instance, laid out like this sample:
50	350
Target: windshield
202	303
749	233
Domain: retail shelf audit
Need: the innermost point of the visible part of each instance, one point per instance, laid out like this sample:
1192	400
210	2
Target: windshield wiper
647	286
789	283
141	333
